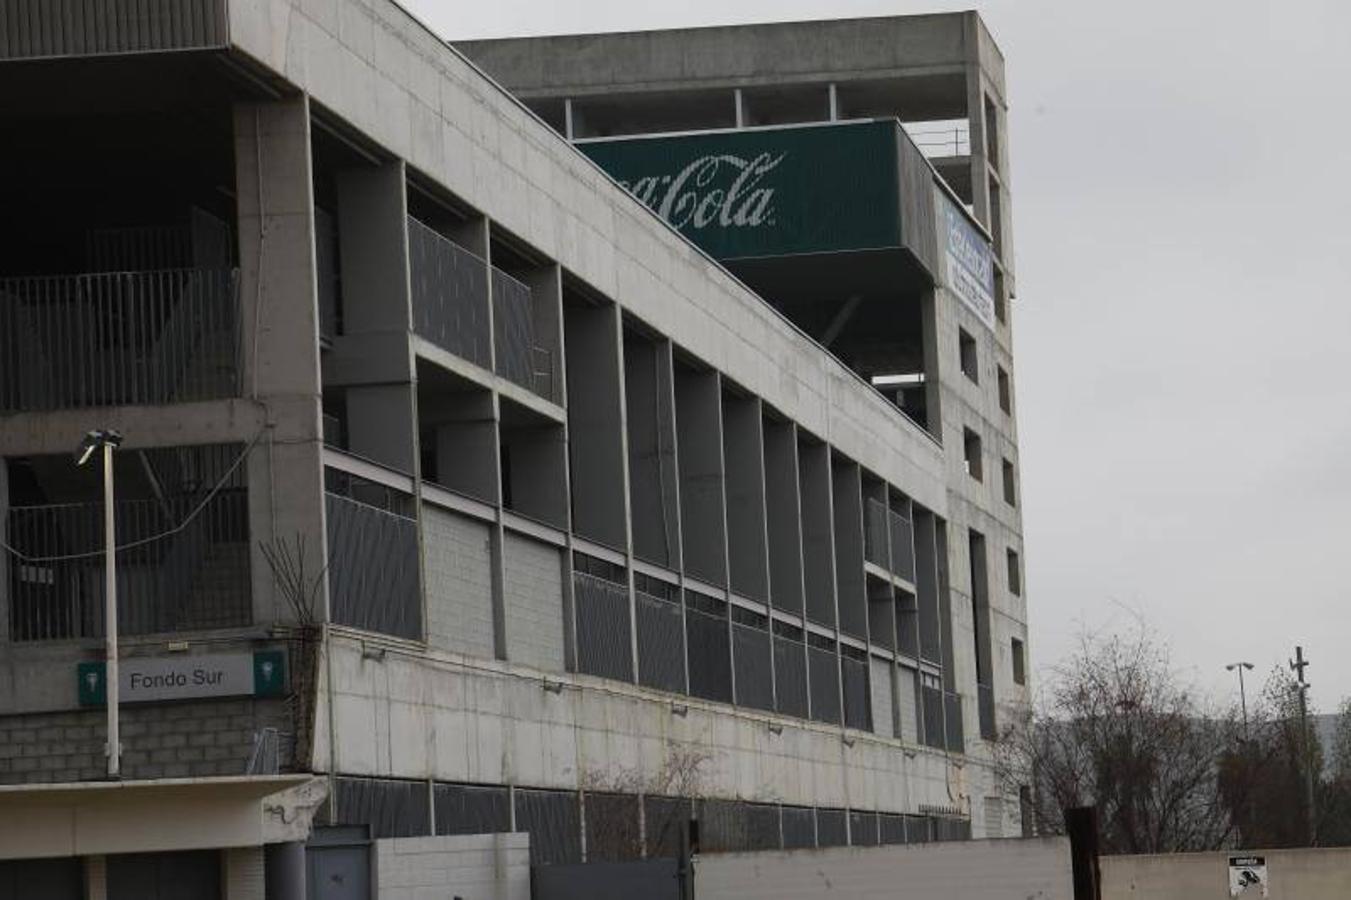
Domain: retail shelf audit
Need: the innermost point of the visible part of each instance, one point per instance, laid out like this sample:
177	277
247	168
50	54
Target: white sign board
144	679
968	263
1247	876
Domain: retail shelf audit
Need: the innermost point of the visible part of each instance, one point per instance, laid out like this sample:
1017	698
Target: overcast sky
1180	201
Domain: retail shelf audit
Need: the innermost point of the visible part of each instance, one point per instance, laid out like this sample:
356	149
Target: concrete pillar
96	878
243	874
284	866
280	316
5	598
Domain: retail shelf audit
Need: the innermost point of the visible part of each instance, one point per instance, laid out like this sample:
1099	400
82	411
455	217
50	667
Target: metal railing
902	546
521	358
450	294
118	338
875	533
193	579
940	139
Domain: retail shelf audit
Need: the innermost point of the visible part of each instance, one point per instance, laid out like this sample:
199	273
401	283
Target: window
1015	574
971	450
966	346
1005	391
1000	301
1019	663
1010	491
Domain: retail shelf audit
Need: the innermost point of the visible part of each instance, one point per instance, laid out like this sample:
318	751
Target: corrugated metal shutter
45	28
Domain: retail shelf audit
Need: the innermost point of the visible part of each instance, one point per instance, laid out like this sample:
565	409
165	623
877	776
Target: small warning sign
1247	876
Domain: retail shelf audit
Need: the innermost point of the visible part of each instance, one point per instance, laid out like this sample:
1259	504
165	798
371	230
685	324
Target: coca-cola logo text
719	189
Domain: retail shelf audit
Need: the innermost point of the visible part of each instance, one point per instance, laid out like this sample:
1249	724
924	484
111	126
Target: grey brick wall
905	699
459	583
533	594
880	681
175	740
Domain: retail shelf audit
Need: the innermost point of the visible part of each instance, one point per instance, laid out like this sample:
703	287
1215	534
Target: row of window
572	827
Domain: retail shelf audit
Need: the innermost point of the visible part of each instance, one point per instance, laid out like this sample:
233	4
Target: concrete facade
474	524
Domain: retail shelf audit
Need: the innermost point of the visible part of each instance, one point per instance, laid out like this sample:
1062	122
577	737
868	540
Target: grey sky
1180	200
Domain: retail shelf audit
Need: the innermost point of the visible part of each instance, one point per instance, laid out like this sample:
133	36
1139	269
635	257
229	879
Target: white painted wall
471	867
1033	869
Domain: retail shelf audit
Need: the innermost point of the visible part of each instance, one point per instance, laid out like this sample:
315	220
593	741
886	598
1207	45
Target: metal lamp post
108	440
1242	695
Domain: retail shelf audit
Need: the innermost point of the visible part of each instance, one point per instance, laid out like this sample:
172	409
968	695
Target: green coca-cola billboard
767	191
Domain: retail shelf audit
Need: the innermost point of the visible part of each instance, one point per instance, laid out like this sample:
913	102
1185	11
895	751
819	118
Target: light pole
1242	695
108	440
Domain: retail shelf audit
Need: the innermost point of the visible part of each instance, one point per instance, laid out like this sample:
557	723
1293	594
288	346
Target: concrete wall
470	867
1036	869
418	716
1317	874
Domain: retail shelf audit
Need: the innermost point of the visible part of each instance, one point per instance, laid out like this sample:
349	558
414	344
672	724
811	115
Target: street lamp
1242	695
108	440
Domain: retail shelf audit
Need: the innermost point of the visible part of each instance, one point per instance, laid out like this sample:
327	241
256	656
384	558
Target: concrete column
377	311
5	598
284	866
280	315
243	874
96	878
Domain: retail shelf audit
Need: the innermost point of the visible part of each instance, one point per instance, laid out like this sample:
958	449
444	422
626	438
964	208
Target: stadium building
545	442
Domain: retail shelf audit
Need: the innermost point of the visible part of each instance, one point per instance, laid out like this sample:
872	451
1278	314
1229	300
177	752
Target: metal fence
661	641
450	294
857	695
753	659
521	358
790	671
823	676
710	654
193	579
603	627
118	338
373	568
875	533
902	546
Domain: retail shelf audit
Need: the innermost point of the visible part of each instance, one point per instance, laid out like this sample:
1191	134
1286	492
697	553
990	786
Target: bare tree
680	778
1118	729
300	586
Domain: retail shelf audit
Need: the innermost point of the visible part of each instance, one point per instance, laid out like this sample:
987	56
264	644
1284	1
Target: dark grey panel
709	649
863	829
387	808
831	830
612	832
604	635
192	875
751	655
661	643
42	879
554	823
857	697
471	809
373	569
41	28
649	879
665	818
824	676
799	827
790	676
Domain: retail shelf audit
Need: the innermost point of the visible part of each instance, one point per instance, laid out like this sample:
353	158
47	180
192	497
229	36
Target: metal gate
338	864
650	879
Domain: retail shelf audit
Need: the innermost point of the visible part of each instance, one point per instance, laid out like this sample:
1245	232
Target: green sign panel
769	191
148	678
